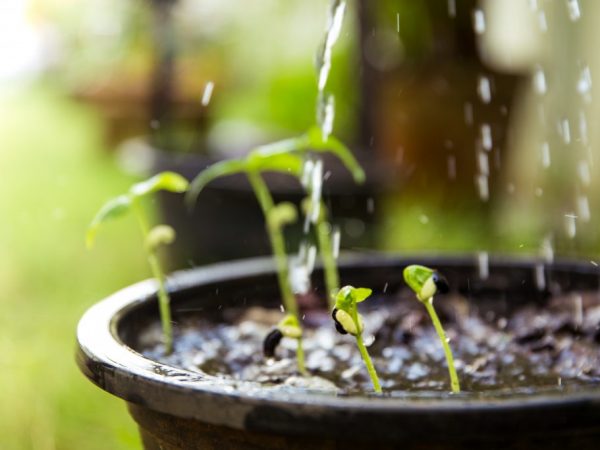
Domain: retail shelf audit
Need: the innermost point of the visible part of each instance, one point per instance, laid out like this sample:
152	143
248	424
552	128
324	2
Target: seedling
285	157
349	321
426	283
153	237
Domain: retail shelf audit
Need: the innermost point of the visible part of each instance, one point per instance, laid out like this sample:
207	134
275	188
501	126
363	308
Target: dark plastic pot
177	409
211	231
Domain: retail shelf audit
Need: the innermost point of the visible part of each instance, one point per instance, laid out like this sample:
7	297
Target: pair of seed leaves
425	282
287	157
283	156
119	206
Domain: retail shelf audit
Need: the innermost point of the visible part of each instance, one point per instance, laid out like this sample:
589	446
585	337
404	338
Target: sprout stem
278	245
364	353
332	277
454	384
158	274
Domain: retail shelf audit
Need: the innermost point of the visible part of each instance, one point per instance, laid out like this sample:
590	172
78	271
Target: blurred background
474	121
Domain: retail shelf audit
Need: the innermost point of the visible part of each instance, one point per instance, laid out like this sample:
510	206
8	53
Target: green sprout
349	321
287	157
426	282
153	237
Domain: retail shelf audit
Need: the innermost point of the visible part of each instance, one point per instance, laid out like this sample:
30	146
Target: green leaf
164	181
416	276
296	144
217	170
110	210
286	163
333	145
361	294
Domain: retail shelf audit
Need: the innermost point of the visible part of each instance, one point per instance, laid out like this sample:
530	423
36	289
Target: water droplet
542	22
478	21
486	136
452	167
584	84
154	124
468	113
570	225
540	277
539	192
539	80
385	287
583	129
482	187
326	114
583	170
398	22
452	8
207	94
370	205
594	263
583	208
484	89
483	264
574	10
336	238
547	250
545	155
565	130
423	219
483	163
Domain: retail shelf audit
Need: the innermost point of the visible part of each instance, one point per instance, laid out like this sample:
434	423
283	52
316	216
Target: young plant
349	321
426	282
284	157
153	237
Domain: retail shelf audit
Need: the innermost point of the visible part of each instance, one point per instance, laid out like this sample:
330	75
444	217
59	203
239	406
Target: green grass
54	174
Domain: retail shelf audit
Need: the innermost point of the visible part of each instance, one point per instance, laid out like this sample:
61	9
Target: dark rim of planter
118	369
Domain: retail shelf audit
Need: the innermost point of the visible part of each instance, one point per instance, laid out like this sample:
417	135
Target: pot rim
122	371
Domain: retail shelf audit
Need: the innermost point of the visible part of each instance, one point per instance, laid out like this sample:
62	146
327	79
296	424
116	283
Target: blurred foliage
55	173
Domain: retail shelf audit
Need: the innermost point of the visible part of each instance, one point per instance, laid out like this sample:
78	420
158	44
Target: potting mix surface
531	349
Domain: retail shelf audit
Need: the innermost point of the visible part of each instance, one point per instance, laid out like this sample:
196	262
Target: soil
533	348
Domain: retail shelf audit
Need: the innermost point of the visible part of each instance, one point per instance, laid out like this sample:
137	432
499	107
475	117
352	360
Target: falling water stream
312	175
